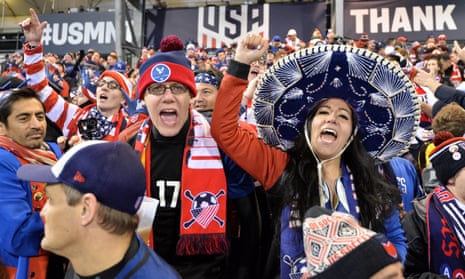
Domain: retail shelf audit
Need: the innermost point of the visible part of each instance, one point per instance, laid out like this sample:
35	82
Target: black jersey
165	185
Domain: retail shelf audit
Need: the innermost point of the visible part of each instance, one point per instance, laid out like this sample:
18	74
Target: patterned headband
207	78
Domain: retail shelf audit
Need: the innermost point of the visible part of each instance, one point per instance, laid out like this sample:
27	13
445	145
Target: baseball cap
401	39
291	32
276	38
112	171
190	47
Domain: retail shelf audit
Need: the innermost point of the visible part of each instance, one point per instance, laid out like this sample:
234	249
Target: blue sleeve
21	229
417	190
395	233
55	148
408	181
446	95
239	183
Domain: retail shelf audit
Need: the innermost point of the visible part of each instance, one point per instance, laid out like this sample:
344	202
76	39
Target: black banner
212	26
76	31
414	19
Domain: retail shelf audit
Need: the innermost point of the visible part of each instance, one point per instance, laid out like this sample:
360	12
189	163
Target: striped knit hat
120	79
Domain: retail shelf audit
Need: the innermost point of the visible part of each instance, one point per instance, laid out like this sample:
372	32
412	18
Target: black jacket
416	261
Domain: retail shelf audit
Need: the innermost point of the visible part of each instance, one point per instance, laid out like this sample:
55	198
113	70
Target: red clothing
456	75
66	115
260	160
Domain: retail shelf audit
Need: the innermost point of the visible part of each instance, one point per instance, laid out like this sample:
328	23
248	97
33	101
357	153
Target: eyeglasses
159	90
111	84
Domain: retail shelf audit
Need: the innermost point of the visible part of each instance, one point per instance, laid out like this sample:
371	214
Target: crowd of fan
64	70
75	74
135	116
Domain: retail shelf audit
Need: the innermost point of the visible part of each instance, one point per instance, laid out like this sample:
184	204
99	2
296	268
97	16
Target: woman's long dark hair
298	185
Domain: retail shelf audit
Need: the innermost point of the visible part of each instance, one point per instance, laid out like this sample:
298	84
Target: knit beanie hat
416	45
316	34
364	37
448	157
123	81
336	246
169	64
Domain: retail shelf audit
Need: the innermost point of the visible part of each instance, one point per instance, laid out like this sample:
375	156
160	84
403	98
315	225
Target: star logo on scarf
78	177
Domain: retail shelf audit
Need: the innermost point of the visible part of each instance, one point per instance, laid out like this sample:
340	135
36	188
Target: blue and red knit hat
169	64
448	157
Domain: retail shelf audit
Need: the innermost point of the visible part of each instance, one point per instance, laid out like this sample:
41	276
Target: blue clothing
407	181
21	228
292	256
147	264
240	184
140	262
292	247
446	95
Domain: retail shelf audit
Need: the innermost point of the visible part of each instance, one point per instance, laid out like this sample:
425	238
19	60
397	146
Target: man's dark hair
7	101
444	56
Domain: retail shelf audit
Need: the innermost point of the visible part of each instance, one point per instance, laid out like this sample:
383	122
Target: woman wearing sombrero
325	116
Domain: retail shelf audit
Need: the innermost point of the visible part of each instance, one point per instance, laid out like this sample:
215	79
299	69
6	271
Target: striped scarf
203	189
446	238
32	156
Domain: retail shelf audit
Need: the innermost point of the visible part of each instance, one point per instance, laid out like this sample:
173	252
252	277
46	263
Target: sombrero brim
382	96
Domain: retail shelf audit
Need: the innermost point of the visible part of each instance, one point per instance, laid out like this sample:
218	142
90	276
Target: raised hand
460	51
133	107
424	78
251	48
33	28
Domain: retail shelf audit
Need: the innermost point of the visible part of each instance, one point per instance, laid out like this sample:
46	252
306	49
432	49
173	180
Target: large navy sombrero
383	97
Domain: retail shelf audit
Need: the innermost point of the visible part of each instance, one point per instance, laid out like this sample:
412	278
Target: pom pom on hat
448	157
171	43
441	137
169	64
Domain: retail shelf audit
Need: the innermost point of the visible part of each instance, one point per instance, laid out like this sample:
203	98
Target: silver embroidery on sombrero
382	96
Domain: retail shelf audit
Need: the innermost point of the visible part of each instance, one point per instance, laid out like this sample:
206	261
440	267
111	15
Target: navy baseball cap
276	38
112	171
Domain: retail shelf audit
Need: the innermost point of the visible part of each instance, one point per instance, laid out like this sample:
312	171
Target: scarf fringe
202	244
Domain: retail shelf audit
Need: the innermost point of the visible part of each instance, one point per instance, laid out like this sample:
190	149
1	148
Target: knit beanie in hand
336	246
